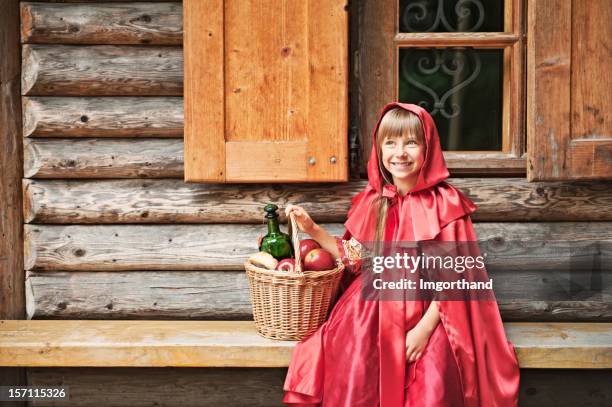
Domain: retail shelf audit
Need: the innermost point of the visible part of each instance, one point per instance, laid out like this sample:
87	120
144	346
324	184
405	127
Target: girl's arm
417	337
327	241
350	252
308	226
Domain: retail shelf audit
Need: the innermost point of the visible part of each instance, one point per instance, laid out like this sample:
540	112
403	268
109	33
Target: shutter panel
266	93
569	134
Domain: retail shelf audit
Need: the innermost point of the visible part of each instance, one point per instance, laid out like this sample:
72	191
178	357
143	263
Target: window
462	60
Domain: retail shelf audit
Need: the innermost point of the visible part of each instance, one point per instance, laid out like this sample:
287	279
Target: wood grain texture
143	387
103	158
224	295
205	125
376	67
130	23
294	91
161	247
108	70
173	201
509	246
590	148
12	296
146	387
215	295
11	167
565	388
560	345
456	39
102	117
327	33
236	344
568	139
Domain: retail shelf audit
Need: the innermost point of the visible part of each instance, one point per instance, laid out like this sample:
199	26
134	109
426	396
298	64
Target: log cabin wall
113	232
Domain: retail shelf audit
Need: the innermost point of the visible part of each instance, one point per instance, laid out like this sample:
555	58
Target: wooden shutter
569	126
266	95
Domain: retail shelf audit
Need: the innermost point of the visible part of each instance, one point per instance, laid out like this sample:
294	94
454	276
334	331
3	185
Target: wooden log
103	117
224	295
131	23
161	247
143	387
216	295
12	297
70	70
100	158
11	166
508	246
565	388
237	344
174	201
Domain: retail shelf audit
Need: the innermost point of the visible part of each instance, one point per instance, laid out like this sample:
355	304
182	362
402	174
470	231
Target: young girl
402	353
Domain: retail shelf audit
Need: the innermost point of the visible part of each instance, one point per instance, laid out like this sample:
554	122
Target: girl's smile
403	157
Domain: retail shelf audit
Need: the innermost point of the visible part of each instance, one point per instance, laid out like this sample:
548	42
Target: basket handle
293	232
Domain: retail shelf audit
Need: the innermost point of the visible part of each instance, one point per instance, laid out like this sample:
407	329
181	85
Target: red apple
318	260
306	246
286	265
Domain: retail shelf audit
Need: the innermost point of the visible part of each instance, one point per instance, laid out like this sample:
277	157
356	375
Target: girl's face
403	157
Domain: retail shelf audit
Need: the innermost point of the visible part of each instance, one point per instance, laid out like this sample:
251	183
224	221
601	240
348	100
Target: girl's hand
302	218
416	340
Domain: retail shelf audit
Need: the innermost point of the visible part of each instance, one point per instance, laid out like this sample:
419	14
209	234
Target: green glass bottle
277	243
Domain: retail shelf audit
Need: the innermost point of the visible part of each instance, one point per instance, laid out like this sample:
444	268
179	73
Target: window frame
380	23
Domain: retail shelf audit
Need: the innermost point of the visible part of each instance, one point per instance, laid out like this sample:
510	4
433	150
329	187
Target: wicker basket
291	305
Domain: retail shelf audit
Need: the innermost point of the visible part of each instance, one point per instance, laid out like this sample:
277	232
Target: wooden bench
105	343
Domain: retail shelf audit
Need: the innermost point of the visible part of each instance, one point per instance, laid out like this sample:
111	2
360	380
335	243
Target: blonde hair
396	123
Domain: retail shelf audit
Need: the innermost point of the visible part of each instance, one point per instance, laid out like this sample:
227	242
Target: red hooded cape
432	210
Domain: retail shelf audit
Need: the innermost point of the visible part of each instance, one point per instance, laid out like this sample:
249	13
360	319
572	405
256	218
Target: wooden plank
327	39
224	295
565	388
590	148
146	387
98	1
375	67
103	158
268	98
131	23
12	298
102	117
509	246
215	295
456	39
160	247
143	387
101	70
561	345
173	201
236	344
571	138
256	161
548	78
142	344
205	121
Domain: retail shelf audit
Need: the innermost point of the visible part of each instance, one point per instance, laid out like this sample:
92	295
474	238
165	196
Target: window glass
461	88
451	16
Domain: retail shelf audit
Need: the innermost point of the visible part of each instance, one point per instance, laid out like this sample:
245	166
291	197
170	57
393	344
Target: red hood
426	209
434	167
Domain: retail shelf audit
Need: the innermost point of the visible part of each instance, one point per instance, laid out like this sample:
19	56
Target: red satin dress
339	364
358	356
